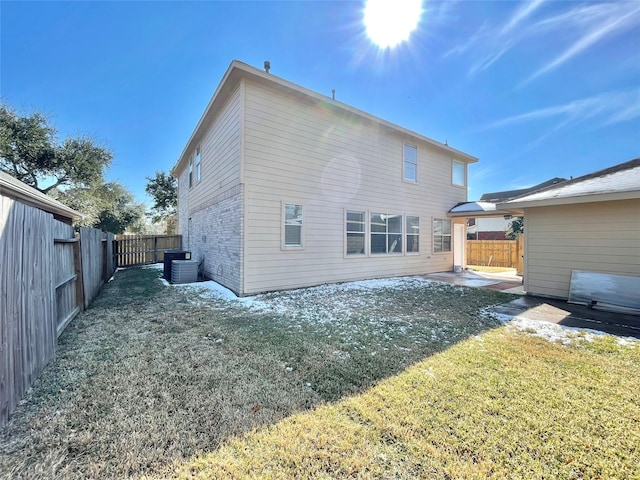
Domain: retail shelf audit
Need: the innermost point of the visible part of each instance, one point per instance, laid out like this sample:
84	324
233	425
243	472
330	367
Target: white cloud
596	112
576	30
596	22
608	108
521	14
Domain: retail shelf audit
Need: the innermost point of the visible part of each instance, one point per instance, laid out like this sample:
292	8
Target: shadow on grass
151	374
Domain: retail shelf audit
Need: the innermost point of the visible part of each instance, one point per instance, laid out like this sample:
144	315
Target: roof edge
29	195
248	70
588	198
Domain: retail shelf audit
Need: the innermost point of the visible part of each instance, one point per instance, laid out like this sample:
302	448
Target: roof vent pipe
267	65
333	93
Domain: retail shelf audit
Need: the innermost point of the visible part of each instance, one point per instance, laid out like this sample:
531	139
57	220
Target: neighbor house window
191	173
457	173
386	233
413	234
410	154
198	160
355	230
441	235
292	225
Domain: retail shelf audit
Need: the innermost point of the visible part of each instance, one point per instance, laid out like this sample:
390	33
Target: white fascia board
605	197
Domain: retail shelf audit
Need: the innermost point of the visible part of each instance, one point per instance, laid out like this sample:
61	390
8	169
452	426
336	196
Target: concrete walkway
543	309
507	282
571	315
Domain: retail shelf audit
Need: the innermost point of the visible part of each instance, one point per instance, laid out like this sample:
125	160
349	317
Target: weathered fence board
92	274
132	250
28	336
65	275
109	265
47	276
496	253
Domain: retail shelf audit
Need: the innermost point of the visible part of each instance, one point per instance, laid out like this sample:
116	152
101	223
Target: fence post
155	250
77	262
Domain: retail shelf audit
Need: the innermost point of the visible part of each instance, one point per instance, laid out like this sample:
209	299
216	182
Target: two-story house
280	187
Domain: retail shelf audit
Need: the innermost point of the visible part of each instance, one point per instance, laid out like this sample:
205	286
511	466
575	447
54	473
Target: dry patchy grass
405	380
485	268
152	374
501	405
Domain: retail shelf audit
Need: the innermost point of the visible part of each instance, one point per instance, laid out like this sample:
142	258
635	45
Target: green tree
515	227
107	206
30	152
163	188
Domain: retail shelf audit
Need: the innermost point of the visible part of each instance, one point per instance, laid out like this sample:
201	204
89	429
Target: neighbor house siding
599	237
301	151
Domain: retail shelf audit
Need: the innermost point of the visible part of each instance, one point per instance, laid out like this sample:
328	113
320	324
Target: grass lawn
388	379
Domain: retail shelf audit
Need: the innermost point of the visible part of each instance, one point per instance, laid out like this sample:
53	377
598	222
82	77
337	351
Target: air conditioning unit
170	256
184	271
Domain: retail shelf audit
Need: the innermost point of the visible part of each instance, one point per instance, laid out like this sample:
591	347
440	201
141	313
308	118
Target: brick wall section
216	236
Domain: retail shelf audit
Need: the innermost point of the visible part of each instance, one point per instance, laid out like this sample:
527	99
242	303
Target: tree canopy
31	152
515	227
107	206
163	188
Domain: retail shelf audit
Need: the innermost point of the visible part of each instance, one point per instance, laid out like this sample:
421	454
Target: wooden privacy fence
495	253
131	250
48	275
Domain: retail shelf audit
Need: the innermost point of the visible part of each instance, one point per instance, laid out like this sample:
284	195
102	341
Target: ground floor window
355	229
293	222
441	235
413	234
386	233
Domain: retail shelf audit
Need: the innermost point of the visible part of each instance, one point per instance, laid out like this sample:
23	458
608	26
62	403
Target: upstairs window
293	221
458	173
413	234
410	169
386	233
198	161
441	235
355	230
191	173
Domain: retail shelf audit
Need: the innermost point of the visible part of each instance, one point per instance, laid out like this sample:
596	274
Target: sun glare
390	22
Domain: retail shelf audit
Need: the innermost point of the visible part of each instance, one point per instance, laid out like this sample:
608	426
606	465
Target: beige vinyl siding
599	237
220	150
300	151
215	204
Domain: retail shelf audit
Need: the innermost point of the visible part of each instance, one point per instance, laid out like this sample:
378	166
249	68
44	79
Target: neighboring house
588	223
280	187
495	228
13	188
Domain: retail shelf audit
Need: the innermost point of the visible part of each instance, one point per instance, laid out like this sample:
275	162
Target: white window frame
385	217
284	223
406	162
407	234
442	235
198	162
454	163
191	172
364	232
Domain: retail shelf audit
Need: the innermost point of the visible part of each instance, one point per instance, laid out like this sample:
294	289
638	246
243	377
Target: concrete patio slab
505	282
543	309
570	315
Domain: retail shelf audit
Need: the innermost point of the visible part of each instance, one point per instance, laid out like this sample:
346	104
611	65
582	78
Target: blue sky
534	89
